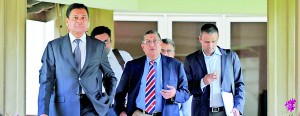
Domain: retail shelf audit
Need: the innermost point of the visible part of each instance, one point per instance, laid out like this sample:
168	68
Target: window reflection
128	35
249	40
185	35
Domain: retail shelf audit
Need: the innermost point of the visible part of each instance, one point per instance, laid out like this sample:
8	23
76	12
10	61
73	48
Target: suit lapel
139	70
200	58
165	74
223	64
89	47
165	71
67	50
140	66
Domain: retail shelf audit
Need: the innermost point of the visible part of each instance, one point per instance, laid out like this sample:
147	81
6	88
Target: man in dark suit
73	70
208	75
154	83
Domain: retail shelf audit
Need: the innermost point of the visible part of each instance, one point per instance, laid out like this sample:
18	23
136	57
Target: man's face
209	42
106	39
78	20
167	50
151	46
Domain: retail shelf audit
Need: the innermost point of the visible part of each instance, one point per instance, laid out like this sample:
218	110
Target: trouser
86	107
142	113
221	113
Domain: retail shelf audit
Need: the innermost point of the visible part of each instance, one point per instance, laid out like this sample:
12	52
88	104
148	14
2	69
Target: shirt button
79	78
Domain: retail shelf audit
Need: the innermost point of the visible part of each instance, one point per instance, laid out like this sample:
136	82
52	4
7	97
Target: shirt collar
217	52
157	60
110	53
82	38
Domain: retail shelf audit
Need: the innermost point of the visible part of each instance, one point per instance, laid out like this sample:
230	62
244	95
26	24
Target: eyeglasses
148	42
168	51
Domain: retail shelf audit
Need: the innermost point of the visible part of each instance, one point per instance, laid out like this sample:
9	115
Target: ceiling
36	7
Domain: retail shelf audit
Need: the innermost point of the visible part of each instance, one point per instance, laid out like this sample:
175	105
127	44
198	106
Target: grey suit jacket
60	82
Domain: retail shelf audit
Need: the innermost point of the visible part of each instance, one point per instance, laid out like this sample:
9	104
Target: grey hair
169	41
151	32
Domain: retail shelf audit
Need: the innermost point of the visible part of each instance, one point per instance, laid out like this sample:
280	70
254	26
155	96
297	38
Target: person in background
208	74
73	69
117	58
168	49
154	83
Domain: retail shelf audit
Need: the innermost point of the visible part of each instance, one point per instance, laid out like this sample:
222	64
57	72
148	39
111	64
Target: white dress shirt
114	63
82	46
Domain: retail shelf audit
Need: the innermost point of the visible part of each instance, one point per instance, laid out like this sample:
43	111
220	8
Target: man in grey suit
73	70
209	73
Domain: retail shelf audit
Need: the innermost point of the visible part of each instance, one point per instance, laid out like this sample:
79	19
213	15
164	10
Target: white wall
37	36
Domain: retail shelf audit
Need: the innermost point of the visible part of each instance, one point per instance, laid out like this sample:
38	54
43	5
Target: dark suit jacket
195	69
59	80
172	74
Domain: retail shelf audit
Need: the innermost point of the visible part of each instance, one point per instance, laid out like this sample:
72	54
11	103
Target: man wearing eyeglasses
154	83
168	47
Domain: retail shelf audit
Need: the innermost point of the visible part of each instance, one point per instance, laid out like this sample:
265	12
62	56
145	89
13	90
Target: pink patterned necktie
150	89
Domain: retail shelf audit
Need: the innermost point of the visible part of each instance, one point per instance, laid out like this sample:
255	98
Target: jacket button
79	78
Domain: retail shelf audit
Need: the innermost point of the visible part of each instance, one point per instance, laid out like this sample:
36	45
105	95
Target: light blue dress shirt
140	101
213	65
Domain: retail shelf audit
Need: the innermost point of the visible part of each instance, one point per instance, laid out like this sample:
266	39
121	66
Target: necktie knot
77	41
152	63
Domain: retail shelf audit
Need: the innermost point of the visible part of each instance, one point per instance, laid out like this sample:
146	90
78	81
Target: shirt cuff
202	85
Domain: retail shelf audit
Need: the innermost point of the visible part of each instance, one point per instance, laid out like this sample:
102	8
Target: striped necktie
150	90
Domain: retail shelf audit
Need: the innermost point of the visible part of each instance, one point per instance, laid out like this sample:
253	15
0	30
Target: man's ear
160	43
142	45
199	38
67	22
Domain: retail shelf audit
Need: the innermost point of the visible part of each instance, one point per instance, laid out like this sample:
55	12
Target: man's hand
167	94
43	115
209	78
235	112
123	113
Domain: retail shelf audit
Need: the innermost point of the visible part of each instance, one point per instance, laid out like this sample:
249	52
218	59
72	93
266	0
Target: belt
217	109
153	114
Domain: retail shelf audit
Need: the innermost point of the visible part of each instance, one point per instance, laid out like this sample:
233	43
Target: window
249	40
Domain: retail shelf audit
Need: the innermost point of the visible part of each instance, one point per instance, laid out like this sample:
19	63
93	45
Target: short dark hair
76	6
100	30
151	32
169	41
209	28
